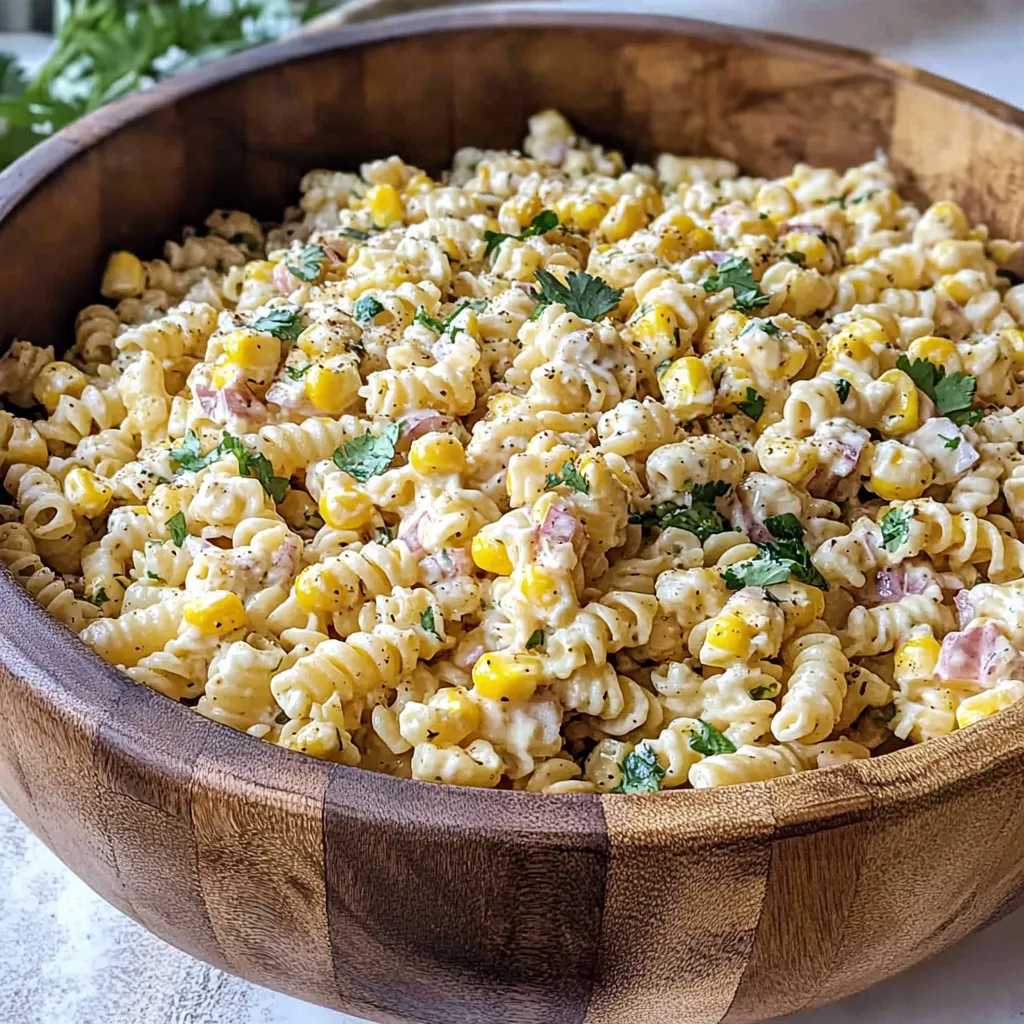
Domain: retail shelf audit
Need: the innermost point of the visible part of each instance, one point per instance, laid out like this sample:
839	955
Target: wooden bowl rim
822	798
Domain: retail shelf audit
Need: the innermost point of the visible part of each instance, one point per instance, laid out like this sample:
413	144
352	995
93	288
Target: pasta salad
547	474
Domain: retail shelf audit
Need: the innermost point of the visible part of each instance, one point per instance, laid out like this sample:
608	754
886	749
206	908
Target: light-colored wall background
66	957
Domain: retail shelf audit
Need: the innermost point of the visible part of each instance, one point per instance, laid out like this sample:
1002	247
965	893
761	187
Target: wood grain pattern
402	901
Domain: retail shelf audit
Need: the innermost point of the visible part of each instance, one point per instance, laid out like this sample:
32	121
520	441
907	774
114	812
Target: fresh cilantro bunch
569	477
777	559
895	529
106	49
953	394
249	463
700	516
546	220
441	326
735	273
590	298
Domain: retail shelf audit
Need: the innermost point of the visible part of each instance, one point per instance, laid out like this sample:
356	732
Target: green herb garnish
699	517
536	639
546	220
588	297
383	536
952	442
796	257
368	455
150	575
178	527
763	692
366	308
842	388
707	740
753	406
735	273
641	772
427	622
310	264
298	372
440	326
772	330
99	598
570	477
284	323
359	236
777	559
952	393
895	529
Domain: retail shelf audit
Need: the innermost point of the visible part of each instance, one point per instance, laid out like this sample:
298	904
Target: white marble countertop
67	957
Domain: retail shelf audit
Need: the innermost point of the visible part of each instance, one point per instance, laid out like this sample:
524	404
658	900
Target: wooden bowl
403	901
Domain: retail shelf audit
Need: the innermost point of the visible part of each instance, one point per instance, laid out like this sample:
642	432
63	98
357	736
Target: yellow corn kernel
499	675
985	704
902	412
625	218
124	276
789	458
223	373
87	493
250	348
539	585
329	388
317	591
656	325
342	506
259	270
815	251
56	379
956	289
418	184
491	555
216	613
580	213
521	209
437	453
847	348
776	201
727	640
939	351
385	205
701	240
916	659
1014	338
687	388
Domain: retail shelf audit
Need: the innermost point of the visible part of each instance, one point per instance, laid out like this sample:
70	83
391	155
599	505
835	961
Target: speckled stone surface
67	957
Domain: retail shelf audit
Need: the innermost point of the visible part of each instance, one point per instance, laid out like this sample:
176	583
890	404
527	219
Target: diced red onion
965	606
416	424
963	654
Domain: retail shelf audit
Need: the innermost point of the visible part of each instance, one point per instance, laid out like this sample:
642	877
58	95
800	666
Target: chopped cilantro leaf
546	220
777	559
842	388
839	201
895	529
588	297
284	323
763	693
952	393
440	326
700	517
707	740
310	263
641	772
150	575
536	639
735	273
796	257
366	308
359	236
368	455
178	527
952	442
99	598
383	536
187	457
570	477
297	372
249	463
753	406
427	622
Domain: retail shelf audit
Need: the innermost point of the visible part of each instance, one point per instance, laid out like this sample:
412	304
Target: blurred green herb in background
106	49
